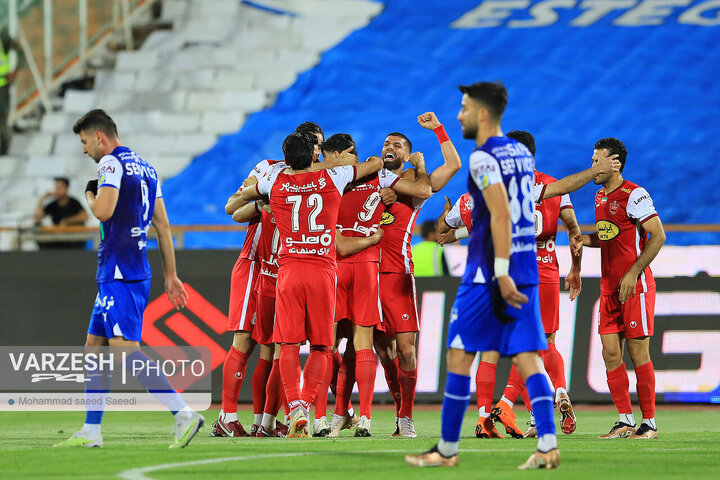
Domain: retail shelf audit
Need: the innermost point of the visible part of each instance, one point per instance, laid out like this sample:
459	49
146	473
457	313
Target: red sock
620	389
345	383
391	377
646	389
336	362
273	389
290	371
283	399
407	380
322	394
233	376
514	387
314	373
554	365
365	370
259	383
485	383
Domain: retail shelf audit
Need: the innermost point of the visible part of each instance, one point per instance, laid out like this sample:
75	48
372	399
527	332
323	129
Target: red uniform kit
547	215
305	207
361	210
619	218
397	283
268	271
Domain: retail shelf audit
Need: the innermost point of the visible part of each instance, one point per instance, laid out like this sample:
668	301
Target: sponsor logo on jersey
613	208
607	230
626	190
102	179
644	197
387	218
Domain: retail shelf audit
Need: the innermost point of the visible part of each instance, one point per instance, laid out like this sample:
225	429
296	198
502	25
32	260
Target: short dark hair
310	128
96	120
525	138
339	143
427	227
64	180
398	134
615	147
493	95
298	150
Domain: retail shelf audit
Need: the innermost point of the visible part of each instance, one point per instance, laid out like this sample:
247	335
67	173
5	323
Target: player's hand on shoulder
448	205
514	297
176	292
428	120
388	196
417	159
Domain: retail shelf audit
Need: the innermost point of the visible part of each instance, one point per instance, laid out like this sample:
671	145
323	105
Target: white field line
139	473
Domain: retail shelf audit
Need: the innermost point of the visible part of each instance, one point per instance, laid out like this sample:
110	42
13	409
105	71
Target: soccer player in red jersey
396	347
305	206
629	235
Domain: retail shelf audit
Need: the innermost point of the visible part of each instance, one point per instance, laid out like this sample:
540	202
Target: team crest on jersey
607	230
613	208
387	218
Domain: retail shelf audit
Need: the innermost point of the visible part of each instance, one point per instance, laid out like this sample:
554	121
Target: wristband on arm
461	233
502	267
441	135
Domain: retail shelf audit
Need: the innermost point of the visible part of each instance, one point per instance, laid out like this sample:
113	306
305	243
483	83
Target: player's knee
406	353
244	342
639	352
612	356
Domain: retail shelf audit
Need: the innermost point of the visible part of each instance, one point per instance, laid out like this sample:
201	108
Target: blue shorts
119	308
474	324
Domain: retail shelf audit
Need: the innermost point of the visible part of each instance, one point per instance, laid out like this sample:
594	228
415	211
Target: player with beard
396	347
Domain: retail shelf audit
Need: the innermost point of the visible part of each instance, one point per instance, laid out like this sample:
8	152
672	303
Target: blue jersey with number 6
501	159
122	253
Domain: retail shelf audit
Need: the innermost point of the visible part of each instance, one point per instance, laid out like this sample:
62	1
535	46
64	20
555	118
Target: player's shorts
635	318
264	319
241	315
358	293
119	308
399	303
474	324
305	305
550	306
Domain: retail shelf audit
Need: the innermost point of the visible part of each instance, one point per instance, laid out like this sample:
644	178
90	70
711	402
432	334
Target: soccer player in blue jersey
496	309
126	198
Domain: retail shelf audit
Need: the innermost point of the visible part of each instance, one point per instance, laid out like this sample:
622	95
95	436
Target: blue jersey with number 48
123	237
501	159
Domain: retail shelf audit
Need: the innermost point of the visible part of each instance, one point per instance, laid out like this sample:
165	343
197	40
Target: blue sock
455	402
96	391
541	397
155	381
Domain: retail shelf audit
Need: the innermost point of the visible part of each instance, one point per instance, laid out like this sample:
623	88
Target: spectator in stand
428	255
7	76
64	210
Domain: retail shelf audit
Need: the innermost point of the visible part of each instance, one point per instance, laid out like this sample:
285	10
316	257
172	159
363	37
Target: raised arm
654	227
173	286
441	175
602	163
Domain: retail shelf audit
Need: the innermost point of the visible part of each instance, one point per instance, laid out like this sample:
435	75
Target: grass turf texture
688	447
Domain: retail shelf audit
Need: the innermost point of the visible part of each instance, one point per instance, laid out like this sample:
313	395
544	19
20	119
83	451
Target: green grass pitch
136	448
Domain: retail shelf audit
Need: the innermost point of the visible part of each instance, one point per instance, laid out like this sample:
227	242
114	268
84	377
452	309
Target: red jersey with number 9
547	214
305	207
361	210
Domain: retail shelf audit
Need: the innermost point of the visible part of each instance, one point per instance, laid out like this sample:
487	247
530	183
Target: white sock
447	449
532	418
257	418
650	422
91	430
482	413
628	418
547	442
351	412
228	417
559	392
268	422
507	400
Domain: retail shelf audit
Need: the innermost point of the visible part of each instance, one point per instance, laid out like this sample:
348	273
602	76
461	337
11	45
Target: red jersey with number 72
305	207
619	219
547	214
361	210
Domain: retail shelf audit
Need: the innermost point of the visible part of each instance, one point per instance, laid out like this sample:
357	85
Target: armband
502	267
441	135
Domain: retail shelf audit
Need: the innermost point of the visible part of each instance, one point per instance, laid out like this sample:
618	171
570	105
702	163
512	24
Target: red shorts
635	318
358	293
265	319
305	305
549	294
241	314
399	303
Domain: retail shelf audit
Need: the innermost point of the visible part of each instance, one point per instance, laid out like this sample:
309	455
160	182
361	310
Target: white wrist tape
461	233
502	267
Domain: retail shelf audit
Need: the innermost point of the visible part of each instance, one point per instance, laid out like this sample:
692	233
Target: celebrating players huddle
327	256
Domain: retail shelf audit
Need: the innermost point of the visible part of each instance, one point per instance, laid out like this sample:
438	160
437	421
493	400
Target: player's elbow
424	192
229	208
